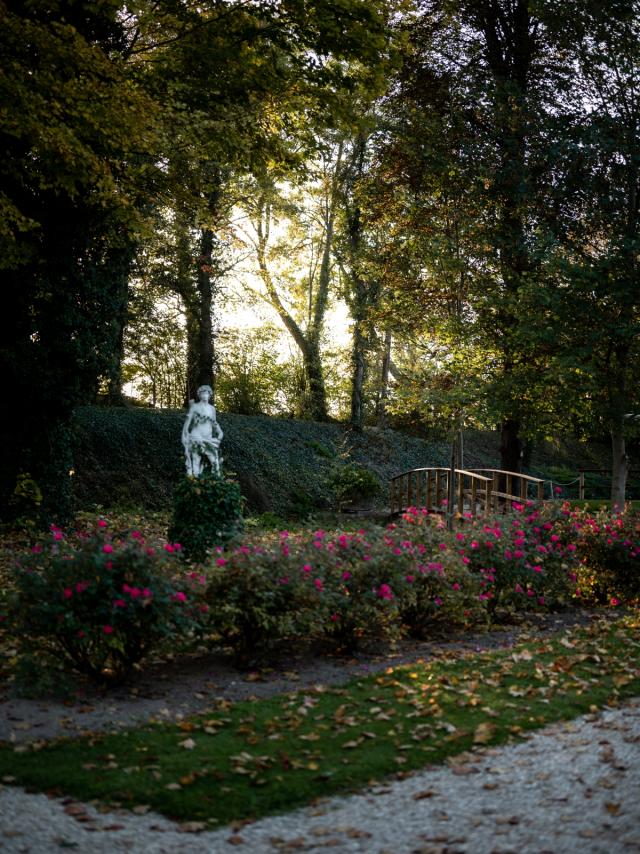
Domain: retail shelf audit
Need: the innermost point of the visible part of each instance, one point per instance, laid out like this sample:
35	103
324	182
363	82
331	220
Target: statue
201	434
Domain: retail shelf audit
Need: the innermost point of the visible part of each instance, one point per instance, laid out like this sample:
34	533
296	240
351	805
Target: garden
546	595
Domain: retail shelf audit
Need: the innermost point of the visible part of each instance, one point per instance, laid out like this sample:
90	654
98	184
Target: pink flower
334	618
317	582
536	568
385	592
519	589
36	550
346	575
107	548
455	585
475	544
306	568
177	547
283	580
530	593
410	578
67	593
102	523
80	633
109	564
146	593
179	597
136	535
465	560
366	557
614	601
135	592
168	548
437	601
108	630
119	603
81	586
220	561
58	535
540	600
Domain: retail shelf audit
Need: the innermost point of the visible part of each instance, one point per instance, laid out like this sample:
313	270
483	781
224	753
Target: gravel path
570	787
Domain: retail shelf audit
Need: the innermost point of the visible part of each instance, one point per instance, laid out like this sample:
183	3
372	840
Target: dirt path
172	689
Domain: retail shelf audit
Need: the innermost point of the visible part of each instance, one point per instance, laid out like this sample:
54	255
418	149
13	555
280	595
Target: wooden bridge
475	491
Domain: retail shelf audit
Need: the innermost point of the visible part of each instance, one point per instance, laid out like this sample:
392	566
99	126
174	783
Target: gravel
570	787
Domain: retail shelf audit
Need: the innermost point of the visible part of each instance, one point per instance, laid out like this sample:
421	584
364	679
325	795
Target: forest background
459	179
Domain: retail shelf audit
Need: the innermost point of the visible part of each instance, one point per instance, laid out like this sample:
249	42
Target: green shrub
258	595
352	483
207	512
99	603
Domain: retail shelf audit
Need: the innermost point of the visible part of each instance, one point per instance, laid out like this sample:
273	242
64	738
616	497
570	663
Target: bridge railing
513	486
475	491
429	487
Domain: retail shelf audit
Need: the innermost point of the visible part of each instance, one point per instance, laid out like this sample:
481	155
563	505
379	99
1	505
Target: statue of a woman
201	434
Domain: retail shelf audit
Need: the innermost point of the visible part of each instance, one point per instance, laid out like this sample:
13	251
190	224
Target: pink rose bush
607	547
100	603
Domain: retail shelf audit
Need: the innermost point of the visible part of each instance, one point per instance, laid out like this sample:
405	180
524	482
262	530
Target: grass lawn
256	757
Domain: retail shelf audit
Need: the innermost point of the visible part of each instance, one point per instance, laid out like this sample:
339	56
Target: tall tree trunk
358	370
315	393
510	47
385	372
510	445
120	263
618	366
204	357
620	464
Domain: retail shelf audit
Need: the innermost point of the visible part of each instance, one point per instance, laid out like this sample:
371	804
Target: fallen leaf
484	733
188	744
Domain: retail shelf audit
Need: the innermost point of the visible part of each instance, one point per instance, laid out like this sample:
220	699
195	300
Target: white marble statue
201	434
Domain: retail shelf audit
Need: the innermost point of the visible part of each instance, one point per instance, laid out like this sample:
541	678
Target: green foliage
322	450
99	602
352	483
207	512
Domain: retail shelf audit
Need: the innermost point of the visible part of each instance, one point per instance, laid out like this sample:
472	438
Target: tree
302	303
469	152
74	134
598	309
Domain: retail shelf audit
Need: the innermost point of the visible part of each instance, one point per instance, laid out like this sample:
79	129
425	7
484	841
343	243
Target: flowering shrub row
102	601
404	579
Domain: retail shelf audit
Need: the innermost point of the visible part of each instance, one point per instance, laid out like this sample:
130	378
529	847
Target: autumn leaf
484	733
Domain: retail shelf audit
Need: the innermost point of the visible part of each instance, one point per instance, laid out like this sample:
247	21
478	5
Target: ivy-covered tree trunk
617	393
315	392
119	264
358	371
199	321
385	373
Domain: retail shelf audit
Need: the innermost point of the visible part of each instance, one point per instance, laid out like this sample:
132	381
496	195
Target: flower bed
100	601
